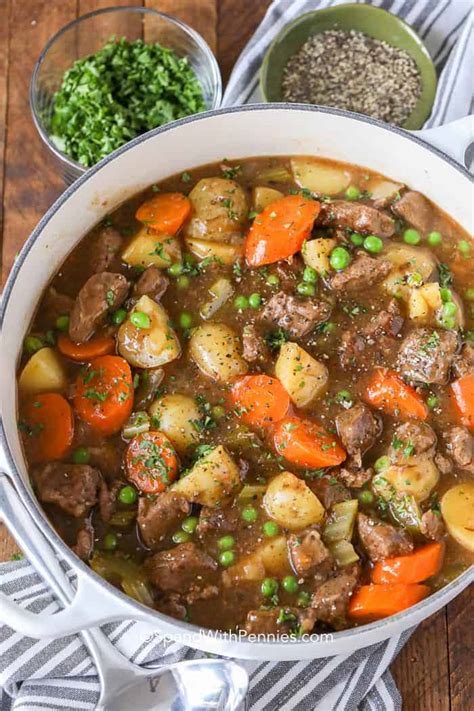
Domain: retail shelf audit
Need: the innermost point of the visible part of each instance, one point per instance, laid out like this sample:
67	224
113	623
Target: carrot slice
414	568
388	392
48	427
104	394
83	352
373	602
152	463
261	399
462	392
307	444
165	213
280	229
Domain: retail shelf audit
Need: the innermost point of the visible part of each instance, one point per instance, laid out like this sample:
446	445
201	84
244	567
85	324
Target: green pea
119	316
180	537
340	258
81	455
353	193
32	344
469	294
249	514
185	320
110	542
189	524
305	289
448	322
381	464
226	558
344	397
62	323
128	495
290	584
176	269
226	542
445	294
464	247
303	599
218	412
310	275
183	282
241	303
432	401
255	300
373	244
434	238
269	587
273	280
365	496
140	319
450	309
411	236
270	529
357	239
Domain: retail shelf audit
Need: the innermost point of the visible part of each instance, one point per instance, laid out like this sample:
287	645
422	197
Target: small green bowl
373	21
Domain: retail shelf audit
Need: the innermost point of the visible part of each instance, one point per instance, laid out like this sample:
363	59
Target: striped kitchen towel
445	27
37	675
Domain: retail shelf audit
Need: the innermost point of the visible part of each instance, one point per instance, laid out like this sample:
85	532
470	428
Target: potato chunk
220	209
417	478
220	251
213	478
153	345
149	249
319	176
303	377
407	261
178	417
263	196
457	509
44	372
316	254
291	503
215	349
269	558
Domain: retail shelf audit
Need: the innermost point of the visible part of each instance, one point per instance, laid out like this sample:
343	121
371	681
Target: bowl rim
31	503
196	36
356	7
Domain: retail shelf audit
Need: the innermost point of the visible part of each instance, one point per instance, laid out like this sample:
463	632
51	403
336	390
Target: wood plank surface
434	671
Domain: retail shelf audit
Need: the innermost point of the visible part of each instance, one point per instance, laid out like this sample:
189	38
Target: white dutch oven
256	130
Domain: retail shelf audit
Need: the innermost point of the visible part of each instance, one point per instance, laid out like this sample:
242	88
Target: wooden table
434	671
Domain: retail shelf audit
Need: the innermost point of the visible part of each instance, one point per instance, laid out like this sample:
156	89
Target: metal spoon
195	685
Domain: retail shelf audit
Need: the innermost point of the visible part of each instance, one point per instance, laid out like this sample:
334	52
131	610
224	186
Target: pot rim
30	501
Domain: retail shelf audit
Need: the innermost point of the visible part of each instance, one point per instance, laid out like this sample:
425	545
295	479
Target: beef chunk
362	273
104	252
425	356
280	620
410	440
201	593
100	294
294	315
331	599
415	209
354	476
460	445
254	346
307	553
72	487
329	491
382	540
432	525
107	456
222	520
172	605
463	364
108	499
158	516
374	342
152	283
358	429
84	541
356	217
444	464
180	568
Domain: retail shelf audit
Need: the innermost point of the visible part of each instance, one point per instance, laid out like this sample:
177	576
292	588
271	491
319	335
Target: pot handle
453	138
91	605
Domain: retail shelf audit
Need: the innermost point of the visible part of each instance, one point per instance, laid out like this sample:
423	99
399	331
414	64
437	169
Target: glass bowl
88	34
